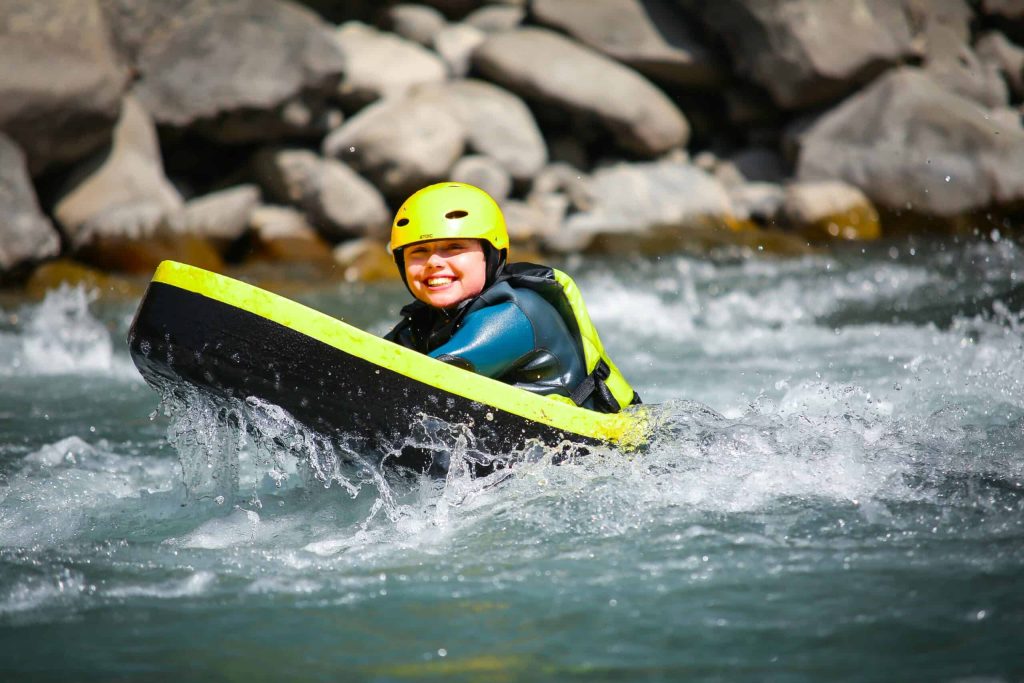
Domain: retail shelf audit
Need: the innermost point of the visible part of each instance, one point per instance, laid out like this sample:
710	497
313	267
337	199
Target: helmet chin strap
399	256
495	262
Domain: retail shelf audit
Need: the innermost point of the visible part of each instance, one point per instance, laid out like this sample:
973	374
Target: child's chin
440	300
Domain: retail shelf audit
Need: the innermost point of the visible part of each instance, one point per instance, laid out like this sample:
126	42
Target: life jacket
601	387
604	387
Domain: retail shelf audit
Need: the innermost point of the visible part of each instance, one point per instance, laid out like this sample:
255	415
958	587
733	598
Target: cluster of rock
135	130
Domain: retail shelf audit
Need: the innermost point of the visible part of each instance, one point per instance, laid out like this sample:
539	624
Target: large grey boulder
651	36
497	123
400	144
943	29
1012	10
485	173
455	43
496	18
995	50
380	64
554	71
806	52
222	216
533	222
26	235
61	82
336	199
969	76
238	70
912	145
646	207
344	204
124	192
417	23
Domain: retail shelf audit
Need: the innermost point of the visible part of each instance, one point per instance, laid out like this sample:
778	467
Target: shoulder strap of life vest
604	383
604	378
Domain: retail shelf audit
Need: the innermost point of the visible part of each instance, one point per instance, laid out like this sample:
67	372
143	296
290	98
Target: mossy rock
53	274
143	256
859	223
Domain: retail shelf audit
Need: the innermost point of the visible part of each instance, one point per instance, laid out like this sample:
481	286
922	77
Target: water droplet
442	652
947	179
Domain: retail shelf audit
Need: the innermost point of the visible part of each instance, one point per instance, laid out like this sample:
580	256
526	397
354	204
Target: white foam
338	543
62	486
694	297
240	527
36	593
60	336
193	585
67	452
284	585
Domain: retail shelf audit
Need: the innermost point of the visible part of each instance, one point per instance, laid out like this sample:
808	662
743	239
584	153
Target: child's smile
443	273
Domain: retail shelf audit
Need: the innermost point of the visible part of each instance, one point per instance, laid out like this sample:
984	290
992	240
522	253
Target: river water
835	492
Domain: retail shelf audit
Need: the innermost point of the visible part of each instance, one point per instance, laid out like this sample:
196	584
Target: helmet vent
402	222
457	213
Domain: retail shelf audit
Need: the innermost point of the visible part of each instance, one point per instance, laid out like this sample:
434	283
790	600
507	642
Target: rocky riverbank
244	131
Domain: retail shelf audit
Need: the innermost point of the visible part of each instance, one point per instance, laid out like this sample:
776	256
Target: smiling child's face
443	273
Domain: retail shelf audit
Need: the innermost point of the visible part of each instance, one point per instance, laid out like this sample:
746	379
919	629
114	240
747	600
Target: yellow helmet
448	211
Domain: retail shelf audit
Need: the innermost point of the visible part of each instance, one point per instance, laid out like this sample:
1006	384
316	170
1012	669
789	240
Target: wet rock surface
649	36
124	192
541	65
26	235
909	144
61	83
238	71
137	130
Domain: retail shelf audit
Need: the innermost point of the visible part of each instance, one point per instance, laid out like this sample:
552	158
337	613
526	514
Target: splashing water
61	336
834	490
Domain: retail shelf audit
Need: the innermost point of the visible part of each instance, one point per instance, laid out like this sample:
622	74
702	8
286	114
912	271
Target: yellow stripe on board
627	429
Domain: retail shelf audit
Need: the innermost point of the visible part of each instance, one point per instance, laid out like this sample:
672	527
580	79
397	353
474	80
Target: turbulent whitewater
835	490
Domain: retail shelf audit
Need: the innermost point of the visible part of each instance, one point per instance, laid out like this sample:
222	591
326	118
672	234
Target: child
519	323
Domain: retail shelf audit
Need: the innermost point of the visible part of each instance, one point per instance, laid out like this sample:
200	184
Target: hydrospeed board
236	340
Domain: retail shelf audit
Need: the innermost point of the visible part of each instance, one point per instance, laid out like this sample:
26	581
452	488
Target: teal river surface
835	492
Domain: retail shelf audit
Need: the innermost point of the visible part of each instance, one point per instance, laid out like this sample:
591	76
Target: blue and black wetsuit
508	333
528	328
